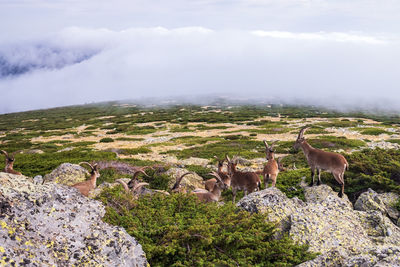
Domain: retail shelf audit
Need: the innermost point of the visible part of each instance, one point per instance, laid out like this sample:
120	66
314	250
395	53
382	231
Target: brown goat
133	185
322	160
246	181
271	169
210	183
86	186
215	194
9	168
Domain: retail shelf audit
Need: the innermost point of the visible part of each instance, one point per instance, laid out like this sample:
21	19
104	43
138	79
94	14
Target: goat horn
216	175
302	131
87	163
123	184
179	179
139	185
228	159
135	175
4	152
265	143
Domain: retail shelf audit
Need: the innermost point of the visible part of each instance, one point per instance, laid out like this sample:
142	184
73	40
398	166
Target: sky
343	54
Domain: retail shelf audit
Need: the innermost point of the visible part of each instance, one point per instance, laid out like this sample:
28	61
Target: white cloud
157	61
322	36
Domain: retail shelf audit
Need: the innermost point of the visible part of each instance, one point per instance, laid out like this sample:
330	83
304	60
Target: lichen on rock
67	174
51	224
330	226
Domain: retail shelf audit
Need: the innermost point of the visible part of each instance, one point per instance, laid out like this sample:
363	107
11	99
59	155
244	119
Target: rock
67	174
38	179
383	203
330	226
195	161
54	225
34	151
189	182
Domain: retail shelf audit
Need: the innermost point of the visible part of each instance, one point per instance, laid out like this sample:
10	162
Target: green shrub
135	151
178	230
106	140
374	131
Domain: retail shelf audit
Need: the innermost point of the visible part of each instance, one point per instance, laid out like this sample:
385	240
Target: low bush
106	140
177	230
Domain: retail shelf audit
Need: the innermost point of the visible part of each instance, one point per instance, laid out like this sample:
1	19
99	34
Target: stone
189	182
54	225
330	226
67	174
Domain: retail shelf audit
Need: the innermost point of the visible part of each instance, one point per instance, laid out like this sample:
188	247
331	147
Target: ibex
271	169
86	186
202	194
246	181
133	185
137	188
210	183
322	160
9	168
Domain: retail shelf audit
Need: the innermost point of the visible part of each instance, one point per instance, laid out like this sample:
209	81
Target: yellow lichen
28	243
2	249
3	224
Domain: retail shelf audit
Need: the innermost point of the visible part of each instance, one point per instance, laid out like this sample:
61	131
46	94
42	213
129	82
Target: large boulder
67	174
54	225
189	182
330	226
383	203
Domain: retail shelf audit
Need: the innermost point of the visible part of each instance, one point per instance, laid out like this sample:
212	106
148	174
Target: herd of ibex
239	181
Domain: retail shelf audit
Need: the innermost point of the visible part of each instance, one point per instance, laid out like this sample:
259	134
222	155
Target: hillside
179	138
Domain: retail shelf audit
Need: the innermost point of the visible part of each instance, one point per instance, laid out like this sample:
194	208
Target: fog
341	68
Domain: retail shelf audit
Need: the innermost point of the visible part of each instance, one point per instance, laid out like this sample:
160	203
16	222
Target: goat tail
259	186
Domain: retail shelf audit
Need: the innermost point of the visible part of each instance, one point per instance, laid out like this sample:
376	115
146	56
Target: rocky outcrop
54	225
330	226
383	203
189	182
67	174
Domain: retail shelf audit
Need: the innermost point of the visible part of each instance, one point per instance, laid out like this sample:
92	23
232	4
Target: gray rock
189	182
330	226
54	225
67	174
383	203
38	179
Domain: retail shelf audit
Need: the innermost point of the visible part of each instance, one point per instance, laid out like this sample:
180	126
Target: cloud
343	70
322	36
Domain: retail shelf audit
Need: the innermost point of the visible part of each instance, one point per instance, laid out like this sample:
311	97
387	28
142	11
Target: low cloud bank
337	70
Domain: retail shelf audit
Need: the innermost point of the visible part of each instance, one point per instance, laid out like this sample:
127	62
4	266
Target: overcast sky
340	53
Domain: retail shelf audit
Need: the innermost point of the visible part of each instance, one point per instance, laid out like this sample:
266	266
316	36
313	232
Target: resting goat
86	186
246	181
9	168
322	160
210	183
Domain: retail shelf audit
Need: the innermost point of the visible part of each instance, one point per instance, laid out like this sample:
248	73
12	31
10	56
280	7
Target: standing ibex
210	183
86	186
271	169
9	168
322	160
246	181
